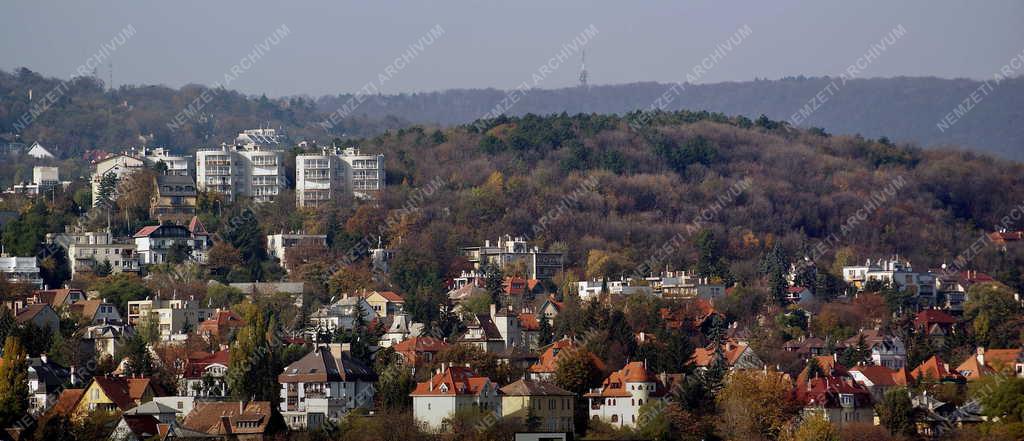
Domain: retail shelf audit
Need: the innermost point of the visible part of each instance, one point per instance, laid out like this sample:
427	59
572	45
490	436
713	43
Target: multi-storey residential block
89	249
174	199
251	167
336	172
897	273
172	315
20	270
509	252
279	244
341	314
44	179
324	386
176	165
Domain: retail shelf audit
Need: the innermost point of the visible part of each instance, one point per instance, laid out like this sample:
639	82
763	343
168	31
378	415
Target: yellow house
114	394
550	406
385	303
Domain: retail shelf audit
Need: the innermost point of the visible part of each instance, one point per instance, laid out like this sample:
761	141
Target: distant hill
904	109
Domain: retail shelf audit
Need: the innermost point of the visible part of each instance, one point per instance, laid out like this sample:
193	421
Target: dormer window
444	388
846	400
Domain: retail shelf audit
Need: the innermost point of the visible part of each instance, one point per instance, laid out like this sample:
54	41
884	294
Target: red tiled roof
878	375
529	322
826	391
635	372
67	401
196	227
548	362
209	417
934	316
731	349
456	380
118	391
412	348
934	369
198	364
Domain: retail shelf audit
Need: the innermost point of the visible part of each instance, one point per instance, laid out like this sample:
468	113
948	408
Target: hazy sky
338	46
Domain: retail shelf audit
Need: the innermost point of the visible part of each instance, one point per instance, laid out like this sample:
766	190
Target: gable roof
934	369
196	366
56	297
67	401
30	312
223	418
321	365
732	350
934	316
453	381
879	375
548	362
117	391
88	308
196	227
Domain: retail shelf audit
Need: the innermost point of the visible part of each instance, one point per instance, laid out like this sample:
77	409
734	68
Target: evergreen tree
494	283
7	322
103	269
896	413
254	366
546	334
13	382
107	190
139	362
774	266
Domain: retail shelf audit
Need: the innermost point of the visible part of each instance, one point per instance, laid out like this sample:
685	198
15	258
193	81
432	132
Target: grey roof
525	387
170	185
151	408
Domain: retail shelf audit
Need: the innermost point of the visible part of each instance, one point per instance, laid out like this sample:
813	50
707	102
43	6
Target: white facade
336	172
91	248
324	385
20	270
341	314
177	165
278	244
622	394
514	250
154	243
119	165
450	390
252	167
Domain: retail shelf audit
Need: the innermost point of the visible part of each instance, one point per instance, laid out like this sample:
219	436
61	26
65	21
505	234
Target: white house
451	389
39	152
340	314
20	270
177	165
87	250
619	398
324	385
886	350
494	332
153	243
172	315
118	166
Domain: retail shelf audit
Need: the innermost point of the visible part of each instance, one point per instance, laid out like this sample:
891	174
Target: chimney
43	357
241	407
494	309
225	423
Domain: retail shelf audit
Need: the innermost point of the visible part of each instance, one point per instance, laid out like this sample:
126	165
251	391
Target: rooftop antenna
583	69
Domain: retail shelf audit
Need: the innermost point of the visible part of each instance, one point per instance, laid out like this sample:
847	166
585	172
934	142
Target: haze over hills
906	108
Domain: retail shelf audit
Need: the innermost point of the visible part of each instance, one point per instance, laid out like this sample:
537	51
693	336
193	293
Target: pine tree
494	283
546	333
13	382
139	362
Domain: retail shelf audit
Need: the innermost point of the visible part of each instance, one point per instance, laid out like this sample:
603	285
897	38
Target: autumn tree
755	405
14	391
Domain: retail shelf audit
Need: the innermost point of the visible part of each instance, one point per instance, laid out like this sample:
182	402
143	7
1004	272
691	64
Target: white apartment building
340	314
252	167
278	244
508	251
86	250
324	385
120	165
336	172
897	272
44	179
588	289
177	165
20	270
172	314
